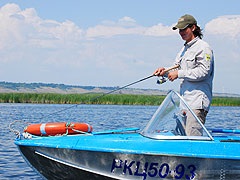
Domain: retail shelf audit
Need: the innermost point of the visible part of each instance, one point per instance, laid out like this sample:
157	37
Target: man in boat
196	71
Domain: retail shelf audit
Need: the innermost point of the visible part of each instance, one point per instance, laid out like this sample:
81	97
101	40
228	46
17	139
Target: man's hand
172	75
159	71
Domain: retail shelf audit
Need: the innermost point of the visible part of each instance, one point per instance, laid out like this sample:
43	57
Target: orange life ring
58	128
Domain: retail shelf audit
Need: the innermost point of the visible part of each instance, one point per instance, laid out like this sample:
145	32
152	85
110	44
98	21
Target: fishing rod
161	81
143	79
95	98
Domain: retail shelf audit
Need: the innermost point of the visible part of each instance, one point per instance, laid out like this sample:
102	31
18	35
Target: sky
112	43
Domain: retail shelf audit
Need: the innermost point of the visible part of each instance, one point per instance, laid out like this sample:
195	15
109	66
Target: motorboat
161	150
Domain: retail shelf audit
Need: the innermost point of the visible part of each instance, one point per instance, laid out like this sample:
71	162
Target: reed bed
115	99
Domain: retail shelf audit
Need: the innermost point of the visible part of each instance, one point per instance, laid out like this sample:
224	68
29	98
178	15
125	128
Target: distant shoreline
11	87
100	98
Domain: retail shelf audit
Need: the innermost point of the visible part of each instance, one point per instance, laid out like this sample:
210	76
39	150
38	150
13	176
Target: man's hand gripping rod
163	79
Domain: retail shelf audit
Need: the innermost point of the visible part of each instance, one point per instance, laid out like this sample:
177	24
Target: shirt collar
190	43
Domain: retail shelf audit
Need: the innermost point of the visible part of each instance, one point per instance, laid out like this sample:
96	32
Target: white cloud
123	26
127	21
127	26
25	28
159	30
225	25
109	31
10	9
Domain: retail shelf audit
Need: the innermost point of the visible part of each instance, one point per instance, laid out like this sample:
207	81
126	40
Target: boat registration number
153	169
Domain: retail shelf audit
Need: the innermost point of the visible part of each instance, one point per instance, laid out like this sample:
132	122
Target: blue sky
145	12
111	43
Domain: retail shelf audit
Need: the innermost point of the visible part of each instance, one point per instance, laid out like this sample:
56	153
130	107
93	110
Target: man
196	70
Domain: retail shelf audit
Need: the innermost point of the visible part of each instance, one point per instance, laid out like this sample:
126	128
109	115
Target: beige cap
184	21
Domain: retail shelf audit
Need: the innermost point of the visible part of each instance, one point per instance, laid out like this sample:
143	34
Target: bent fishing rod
160	81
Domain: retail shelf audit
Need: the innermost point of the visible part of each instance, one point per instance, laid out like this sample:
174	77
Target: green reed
118	99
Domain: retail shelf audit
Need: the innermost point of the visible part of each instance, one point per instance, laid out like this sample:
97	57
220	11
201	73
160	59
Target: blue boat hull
130	156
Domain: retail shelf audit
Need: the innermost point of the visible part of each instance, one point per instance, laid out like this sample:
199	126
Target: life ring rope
81	132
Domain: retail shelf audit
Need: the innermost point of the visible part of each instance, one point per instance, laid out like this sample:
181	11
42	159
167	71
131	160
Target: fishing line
95	98
162	79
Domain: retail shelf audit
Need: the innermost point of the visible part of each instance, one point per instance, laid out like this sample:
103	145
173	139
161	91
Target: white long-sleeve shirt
196	73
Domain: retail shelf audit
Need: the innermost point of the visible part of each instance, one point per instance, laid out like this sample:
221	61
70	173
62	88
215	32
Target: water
101	117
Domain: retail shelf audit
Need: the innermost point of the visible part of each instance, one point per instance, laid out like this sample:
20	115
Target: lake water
101	117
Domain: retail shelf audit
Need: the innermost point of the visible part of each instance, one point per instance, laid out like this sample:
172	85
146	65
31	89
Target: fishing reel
162	79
